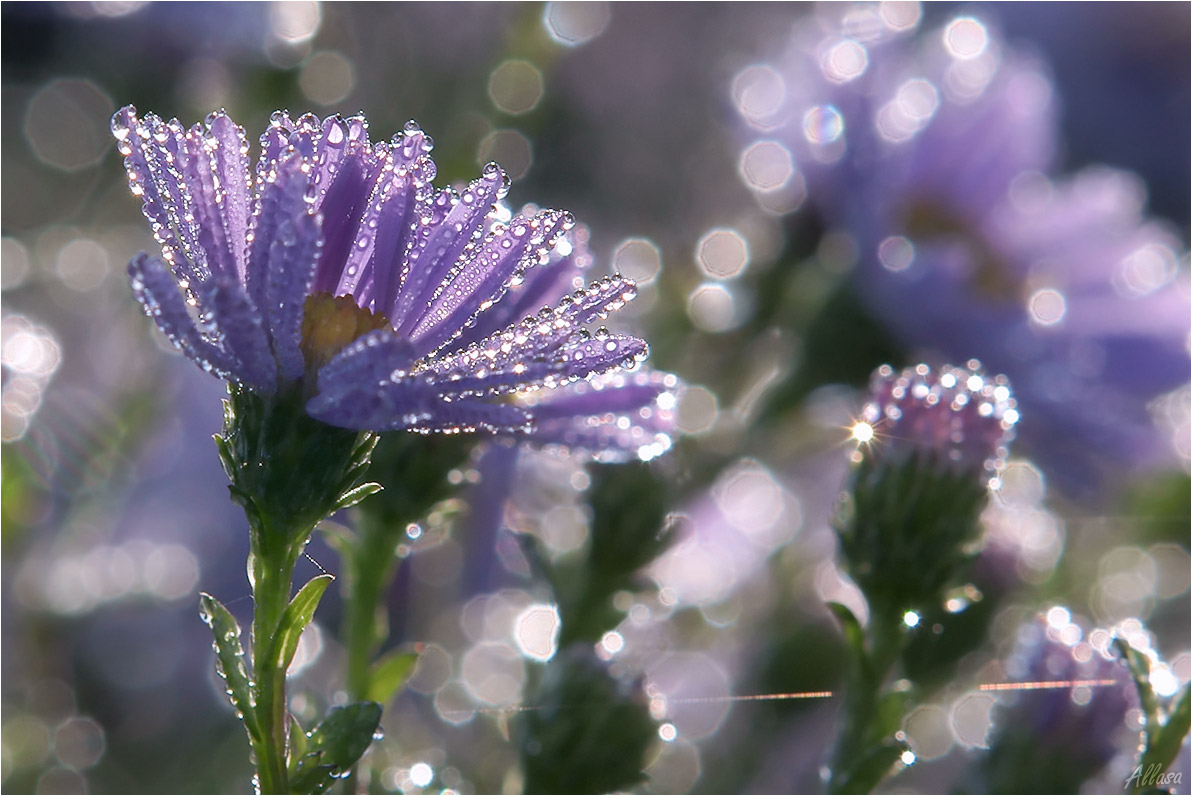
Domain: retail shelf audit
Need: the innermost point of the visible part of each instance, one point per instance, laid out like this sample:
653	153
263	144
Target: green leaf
1168	745
1163	739
341	538
891	708
229	657
389	674
335	746
295	619
354	496
299	740
854	636
1140	670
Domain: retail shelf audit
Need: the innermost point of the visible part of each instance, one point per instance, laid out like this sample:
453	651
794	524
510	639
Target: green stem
289	472
371	567
415	471
271	565
863	735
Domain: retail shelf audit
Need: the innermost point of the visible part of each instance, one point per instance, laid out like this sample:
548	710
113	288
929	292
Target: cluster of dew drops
551	330
967	414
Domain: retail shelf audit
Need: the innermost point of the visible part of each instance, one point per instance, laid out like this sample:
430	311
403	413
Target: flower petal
242	332
411	145
543	285
292	258
230	164
536	336
616	393
368	386
480	280
399	194
614	417
394	218
285	249
155	287
152	153
373	358
343	190
211	176
471	416
282	137
456	223
578	358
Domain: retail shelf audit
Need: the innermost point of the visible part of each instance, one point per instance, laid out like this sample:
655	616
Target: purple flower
931	153
1076	712
959	415
337	269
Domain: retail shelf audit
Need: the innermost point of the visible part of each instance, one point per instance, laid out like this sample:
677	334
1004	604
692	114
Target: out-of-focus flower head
957	414
931	444
1077	713
339	271
931	152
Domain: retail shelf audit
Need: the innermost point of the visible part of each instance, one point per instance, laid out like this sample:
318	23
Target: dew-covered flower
932	153
931	445
336	269
1069	709
958	415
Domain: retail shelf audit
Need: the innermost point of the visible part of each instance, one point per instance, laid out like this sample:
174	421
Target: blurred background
643	120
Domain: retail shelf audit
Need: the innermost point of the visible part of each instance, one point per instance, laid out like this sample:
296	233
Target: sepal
599	749
908	528
854	636
287	469
356	494
630	528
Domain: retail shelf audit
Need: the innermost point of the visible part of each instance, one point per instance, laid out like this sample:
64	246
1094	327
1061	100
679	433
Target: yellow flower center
331	322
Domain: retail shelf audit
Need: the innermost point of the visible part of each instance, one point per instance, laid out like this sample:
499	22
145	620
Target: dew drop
121	124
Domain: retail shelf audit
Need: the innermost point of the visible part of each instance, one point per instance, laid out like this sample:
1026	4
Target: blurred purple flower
343	273
1058	736
727	534
961	415
931	153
